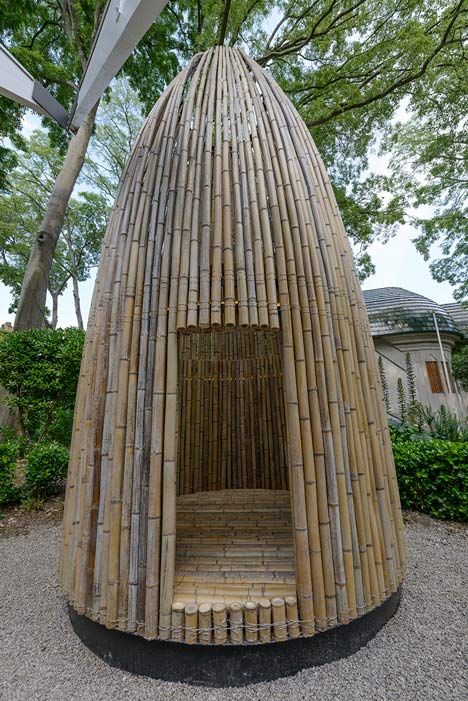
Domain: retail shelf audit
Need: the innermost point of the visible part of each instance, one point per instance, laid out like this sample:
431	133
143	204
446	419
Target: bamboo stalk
204	624
236	623
292	616
250	617
191	623
220	623
178	620
278	614
264	616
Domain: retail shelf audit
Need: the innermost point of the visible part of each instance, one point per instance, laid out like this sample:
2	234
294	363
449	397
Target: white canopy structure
123	25
19	85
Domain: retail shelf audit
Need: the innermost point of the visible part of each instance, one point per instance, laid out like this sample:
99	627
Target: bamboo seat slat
258	560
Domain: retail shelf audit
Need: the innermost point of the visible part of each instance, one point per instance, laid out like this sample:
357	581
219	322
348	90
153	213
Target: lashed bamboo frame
226	219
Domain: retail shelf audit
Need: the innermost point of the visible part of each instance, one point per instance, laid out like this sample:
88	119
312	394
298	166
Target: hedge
9	492
46	470
433	477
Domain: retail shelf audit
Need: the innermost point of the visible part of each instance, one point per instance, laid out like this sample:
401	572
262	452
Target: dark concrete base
229	665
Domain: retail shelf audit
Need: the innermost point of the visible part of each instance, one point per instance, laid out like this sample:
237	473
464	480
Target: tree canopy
351	67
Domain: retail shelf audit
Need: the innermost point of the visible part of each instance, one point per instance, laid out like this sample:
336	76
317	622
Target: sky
397	263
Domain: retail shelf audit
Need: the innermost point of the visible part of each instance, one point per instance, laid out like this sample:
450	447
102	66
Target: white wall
422	347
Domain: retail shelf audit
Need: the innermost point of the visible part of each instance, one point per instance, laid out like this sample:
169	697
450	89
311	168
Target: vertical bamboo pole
250	617
191	623
178	620
219	623
264	617
236	623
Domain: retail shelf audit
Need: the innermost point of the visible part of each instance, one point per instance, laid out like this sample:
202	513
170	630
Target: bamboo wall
226	218
232	432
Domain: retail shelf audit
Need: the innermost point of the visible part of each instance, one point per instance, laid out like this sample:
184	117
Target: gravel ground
420	654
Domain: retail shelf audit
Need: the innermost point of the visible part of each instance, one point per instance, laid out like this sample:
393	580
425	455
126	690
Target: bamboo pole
204	624
278	614
226	231
178	621
191	623
250	618
236	623
292	616
220	623
264	617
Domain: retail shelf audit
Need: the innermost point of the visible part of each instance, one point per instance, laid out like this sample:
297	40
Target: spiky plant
402	403
384	383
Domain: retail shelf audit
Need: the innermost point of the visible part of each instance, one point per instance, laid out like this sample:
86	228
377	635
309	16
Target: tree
53	40
460	366
21	210
120	119
347	65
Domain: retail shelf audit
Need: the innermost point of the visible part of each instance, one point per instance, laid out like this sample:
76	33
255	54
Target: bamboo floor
234	545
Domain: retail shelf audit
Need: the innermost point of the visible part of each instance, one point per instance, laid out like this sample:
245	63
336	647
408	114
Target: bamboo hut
231	478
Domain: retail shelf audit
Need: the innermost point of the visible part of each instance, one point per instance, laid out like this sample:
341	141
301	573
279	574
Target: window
435	379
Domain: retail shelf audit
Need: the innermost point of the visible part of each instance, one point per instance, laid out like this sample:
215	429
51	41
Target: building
402	323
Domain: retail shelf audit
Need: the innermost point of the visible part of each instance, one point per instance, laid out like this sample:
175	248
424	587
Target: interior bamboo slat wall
226	220
231	414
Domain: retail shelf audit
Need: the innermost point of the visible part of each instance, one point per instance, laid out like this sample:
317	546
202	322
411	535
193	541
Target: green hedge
433	477
46	470
9	491
39	370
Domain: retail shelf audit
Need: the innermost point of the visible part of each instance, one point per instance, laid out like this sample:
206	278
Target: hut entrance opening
233	524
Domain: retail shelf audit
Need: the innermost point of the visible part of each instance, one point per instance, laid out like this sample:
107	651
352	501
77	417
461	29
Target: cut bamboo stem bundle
228	347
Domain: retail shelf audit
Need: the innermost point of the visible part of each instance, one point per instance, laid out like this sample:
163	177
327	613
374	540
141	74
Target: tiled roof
393	310
459	314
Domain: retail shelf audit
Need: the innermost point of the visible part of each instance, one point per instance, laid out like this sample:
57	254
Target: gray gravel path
420	654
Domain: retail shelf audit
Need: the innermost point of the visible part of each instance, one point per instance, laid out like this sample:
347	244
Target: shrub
9	454
46	470
433	477
460	366
39	369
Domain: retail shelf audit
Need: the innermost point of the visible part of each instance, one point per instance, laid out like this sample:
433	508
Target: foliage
401	399
9	454
433	477
460	366
120	117
46	470
22	209
430	167
350	68
410	379
39	369
384	383
53	39
423	424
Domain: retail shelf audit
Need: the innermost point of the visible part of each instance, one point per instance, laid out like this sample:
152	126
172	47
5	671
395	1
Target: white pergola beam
124	23
18	84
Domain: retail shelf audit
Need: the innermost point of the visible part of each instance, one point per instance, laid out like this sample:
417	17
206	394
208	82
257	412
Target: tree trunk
76	298
31	306
54	319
